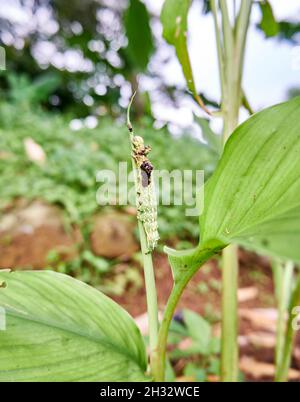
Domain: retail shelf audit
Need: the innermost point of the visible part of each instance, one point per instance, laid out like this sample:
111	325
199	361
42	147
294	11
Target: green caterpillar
145	192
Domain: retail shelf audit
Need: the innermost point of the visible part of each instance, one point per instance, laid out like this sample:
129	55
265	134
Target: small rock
297	353
185	344
262	339
130	210
246	294
263	318
113	237
142	322
34	151
259	370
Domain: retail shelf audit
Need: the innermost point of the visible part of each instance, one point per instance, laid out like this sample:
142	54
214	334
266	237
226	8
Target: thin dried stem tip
129	125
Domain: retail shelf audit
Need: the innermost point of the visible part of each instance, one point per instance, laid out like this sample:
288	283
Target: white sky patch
181	117
269	63
12	10
286	9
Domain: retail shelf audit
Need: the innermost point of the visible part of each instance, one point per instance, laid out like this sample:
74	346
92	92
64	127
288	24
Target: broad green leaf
60	329
199	330
268	23
174	20
253	197
138	32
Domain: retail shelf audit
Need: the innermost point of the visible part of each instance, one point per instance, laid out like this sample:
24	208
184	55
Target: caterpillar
145	191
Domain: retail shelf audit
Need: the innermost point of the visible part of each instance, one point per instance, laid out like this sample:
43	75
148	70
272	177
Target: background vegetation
70	69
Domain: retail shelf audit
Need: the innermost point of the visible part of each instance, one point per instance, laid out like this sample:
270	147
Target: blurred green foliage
68	177
87	44
139	35
97	48
268	22
283	29
194	340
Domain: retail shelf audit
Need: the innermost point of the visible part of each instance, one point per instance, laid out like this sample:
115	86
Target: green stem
227	30
283	290
219	45
278	272
174	297
241	31
164	330
234	40
151	295
230	104
229	346
282	372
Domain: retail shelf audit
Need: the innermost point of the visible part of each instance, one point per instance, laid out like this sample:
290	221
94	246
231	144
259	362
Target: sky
271	66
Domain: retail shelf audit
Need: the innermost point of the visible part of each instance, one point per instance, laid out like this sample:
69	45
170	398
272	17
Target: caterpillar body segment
147	210
145	191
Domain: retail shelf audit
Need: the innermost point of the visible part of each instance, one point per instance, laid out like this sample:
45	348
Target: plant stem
242	25
229	78
234	41
277	269
219	45
170	309
229	347
283	370
283	290
164	330
151	295
227	31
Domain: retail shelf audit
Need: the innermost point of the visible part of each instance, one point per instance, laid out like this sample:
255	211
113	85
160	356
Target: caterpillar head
138	142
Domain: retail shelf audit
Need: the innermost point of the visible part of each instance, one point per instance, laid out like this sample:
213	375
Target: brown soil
31	250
